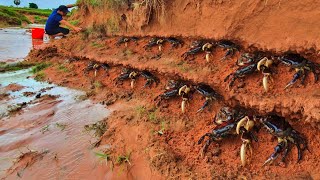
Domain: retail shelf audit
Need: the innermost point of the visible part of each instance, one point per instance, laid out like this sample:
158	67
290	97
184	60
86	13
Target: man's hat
63	8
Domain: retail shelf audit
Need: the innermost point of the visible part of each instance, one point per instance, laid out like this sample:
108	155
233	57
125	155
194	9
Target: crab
150	78
256	62
196	47
230	46
184	93
207	48
302	67
128	74
126	40
172	90
174	42
96	66
241	72
231	121
156	41
286	134
209	94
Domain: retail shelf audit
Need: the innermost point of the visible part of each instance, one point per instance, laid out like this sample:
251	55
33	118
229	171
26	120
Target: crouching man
54	21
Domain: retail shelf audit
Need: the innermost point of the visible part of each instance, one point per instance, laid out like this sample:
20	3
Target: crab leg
278	149
205	104
230	52
296	76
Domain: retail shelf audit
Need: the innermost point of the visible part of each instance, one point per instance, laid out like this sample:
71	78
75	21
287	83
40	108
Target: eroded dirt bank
164	140
278	25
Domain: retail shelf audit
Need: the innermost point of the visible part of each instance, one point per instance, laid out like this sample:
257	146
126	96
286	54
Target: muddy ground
161	140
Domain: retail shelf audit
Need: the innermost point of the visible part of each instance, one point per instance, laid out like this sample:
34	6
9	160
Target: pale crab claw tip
243	154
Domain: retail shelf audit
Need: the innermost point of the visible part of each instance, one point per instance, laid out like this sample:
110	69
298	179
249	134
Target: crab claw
264	62
246	144
266	77
206	46
246	123
132	83
208	57
184	90
183	105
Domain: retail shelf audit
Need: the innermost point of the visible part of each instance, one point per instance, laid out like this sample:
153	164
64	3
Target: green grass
61	126
13	67
74	22
113	25
124	159
95	44
16	16
62	68
39	67
97	84
31	11
39	20
140	110
40	76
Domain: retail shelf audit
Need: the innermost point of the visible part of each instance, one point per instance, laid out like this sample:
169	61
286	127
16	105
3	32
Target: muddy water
15	44
50	125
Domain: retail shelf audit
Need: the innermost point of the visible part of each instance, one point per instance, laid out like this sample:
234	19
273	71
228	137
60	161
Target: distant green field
14	16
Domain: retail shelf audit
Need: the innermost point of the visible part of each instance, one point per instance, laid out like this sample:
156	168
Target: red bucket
37	33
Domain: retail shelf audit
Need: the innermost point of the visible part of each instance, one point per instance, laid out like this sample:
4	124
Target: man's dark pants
65	31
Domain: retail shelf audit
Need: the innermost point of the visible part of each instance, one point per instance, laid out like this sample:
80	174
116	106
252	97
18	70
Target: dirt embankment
278	25
161	138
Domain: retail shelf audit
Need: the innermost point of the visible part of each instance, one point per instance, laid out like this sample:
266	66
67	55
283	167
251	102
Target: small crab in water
230	46
287	136
150	78
302	67
126	40
128	74
231	121
209	94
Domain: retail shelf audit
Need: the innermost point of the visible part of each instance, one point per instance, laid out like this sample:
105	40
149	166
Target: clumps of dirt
13	109
26	160
28	94
98	128
14	87
44	54
4	96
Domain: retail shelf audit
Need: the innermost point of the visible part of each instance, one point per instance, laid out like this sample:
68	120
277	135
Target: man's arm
66	23
71	5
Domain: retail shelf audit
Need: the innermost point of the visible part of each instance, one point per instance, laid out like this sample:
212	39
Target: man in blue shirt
54	21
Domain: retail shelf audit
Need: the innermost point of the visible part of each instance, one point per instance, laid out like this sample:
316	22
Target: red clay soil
134	126
162	141
278	25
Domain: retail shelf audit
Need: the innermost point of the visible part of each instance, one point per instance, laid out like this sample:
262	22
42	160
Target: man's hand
77	29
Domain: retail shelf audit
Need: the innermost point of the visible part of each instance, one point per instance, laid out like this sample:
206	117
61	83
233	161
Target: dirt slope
277	25
274	26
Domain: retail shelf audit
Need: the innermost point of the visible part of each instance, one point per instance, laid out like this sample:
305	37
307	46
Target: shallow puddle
52	124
